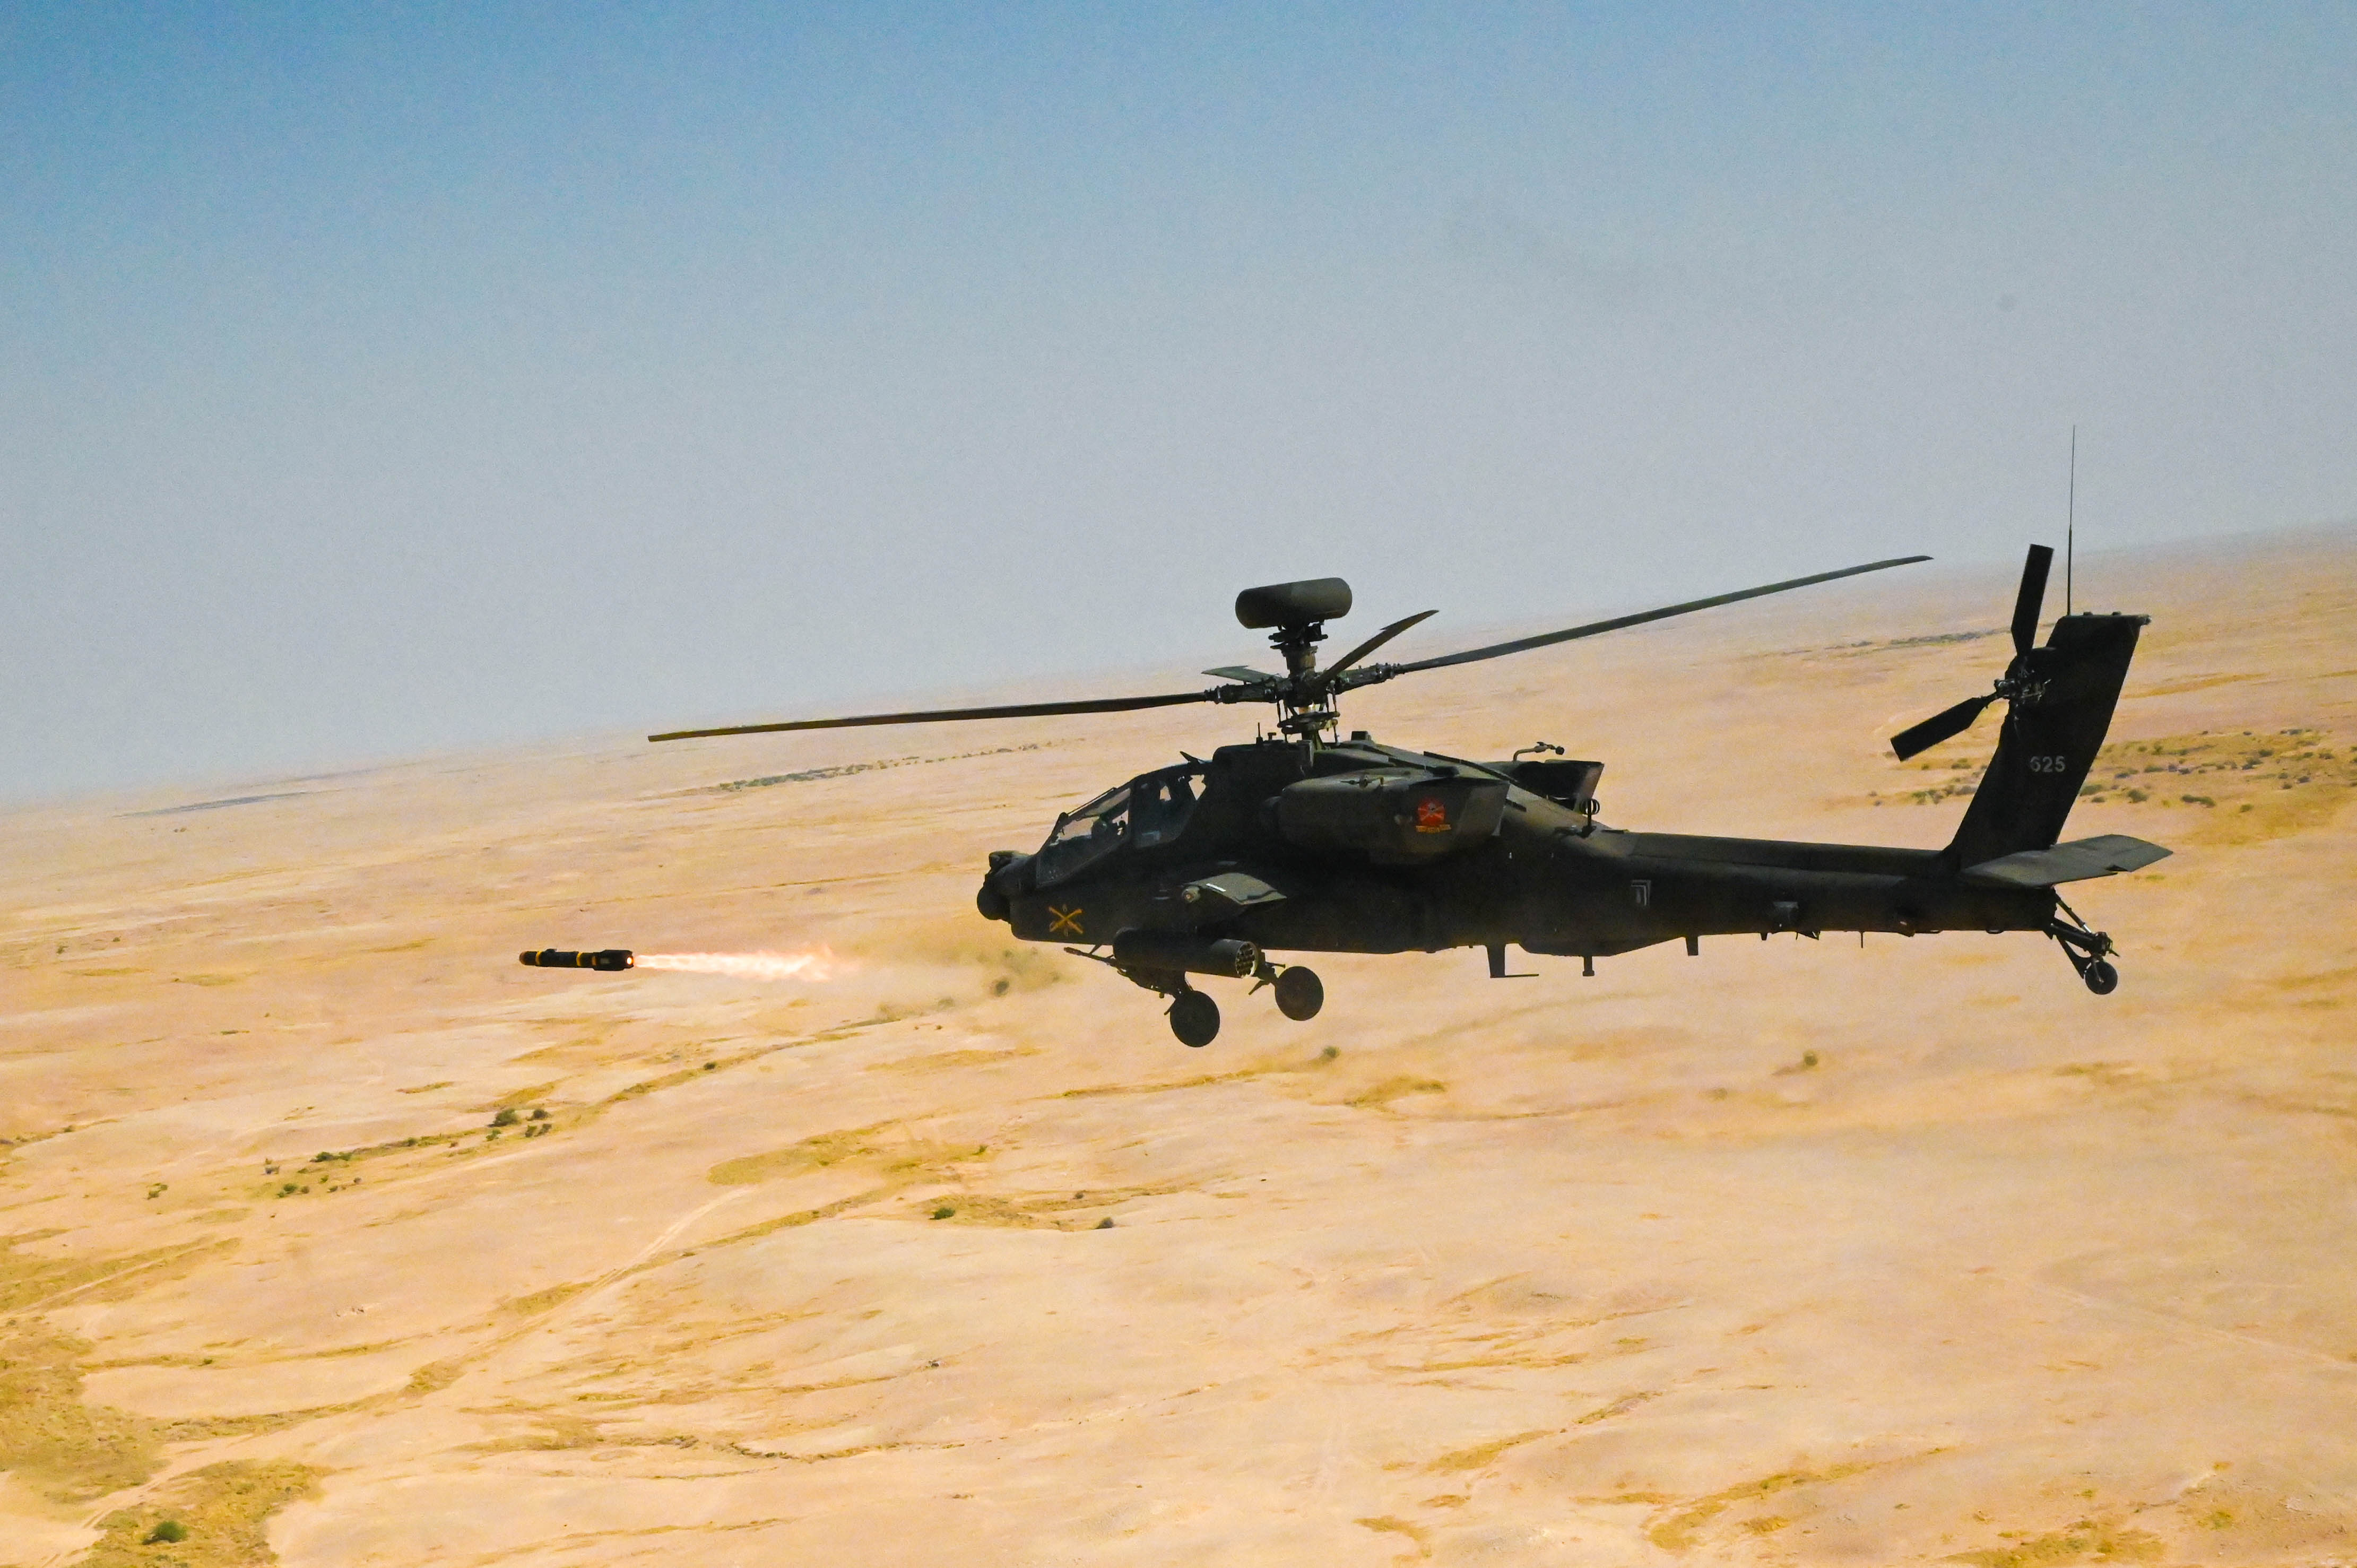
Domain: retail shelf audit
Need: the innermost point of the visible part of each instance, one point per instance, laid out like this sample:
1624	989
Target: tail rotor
2028	602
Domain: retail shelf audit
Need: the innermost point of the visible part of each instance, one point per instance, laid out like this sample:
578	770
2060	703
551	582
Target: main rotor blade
2031	598
1923	737
1377	641
940	716
1593	628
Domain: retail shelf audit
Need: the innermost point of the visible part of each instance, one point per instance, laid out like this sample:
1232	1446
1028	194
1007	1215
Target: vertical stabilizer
2054	724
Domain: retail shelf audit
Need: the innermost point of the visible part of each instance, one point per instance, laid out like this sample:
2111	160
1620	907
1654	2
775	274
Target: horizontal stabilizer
2073	862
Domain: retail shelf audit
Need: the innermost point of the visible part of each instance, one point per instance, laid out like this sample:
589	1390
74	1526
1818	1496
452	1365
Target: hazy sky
375	379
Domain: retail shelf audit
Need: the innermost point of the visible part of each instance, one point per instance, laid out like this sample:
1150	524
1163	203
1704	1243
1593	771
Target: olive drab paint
1304	841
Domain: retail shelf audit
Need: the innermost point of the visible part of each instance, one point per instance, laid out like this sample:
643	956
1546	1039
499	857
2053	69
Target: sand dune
329	1226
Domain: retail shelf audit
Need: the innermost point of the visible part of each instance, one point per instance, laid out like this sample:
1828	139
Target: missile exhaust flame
808	964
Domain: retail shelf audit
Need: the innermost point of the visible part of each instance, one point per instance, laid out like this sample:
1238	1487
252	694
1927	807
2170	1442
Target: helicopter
1308	840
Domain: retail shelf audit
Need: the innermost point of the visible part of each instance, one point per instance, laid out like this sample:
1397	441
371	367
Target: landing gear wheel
2089	950
1299	993
1194	1018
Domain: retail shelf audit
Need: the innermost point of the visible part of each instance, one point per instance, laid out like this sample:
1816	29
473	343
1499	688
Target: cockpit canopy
1149	810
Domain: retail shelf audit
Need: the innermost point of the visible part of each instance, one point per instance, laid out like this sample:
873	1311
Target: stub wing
1231	893
2074	861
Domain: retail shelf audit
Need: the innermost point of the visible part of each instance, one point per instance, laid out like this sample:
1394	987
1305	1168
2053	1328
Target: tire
1194	1018
2101	978
1299	993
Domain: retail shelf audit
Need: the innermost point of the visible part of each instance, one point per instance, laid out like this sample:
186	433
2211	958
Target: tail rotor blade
1949	721
2031	599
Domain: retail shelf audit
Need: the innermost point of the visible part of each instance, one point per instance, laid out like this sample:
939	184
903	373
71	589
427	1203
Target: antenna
2071	523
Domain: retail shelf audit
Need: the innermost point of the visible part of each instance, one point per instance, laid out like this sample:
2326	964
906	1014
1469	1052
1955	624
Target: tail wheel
2101	978
1299	993
1194	1018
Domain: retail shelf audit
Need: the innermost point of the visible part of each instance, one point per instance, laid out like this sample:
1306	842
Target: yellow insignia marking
1064	922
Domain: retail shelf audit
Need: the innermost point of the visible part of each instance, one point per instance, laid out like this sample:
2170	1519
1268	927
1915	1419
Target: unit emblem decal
1064	922
1431	815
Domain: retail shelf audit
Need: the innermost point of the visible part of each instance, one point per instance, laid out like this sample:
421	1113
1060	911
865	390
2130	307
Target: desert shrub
506	1118
166	1530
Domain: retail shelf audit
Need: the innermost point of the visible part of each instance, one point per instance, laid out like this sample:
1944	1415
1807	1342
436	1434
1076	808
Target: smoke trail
809	963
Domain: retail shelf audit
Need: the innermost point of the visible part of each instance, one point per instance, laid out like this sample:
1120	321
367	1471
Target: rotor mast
1302	707
1295	614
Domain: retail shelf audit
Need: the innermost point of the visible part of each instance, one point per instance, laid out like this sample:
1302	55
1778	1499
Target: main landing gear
1299	993
2090	951
1161	961
1194	1018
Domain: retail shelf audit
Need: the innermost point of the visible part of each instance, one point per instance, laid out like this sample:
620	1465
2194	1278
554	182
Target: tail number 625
2050	765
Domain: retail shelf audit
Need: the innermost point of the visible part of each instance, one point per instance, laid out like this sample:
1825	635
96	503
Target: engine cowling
1393	816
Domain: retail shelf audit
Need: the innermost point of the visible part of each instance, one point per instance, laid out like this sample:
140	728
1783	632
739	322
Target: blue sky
376	380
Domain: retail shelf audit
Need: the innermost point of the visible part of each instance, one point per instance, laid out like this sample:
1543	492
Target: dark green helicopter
1307	841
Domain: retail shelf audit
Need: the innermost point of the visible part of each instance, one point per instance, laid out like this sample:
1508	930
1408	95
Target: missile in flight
558	958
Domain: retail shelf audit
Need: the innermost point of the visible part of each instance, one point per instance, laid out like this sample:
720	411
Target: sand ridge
330	1225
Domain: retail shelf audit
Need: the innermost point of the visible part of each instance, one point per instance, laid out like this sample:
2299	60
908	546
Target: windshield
1159	805
1145	812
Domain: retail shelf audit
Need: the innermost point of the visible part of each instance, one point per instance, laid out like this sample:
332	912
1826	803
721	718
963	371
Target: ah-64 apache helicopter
1304	840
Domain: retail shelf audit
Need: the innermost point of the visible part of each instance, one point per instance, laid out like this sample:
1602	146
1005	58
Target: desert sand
1795	1253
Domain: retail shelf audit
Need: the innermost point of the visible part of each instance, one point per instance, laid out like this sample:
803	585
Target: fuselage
1541	875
